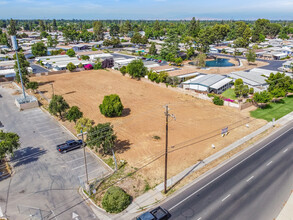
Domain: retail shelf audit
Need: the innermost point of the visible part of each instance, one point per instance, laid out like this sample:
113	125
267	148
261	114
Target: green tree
70	53
279	81
171	44
83	124
115	200
194	28
44	34
240	88
162	77
277	93
262	97
54	25
136	69
123	70
58	105
9	142
153	50
70	66
114	30
39	49
111	106
12	28
74	114
200	60
136	39
178	61
250	56
98	30
102	137
32	85
204	39
152	75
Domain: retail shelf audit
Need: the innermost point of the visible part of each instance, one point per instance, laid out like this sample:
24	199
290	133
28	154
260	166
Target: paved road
45	182
254	185
273	64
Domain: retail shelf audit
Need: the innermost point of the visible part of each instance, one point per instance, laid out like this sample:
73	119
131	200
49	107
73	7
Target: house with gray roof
209	83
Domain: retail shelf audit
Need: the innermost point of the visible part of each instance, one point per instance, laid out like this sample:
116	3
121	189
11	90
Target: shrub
98	66
123	70
152	76
115	200
32	85
163	76
251	91
70	53
70	66
218	101
111	106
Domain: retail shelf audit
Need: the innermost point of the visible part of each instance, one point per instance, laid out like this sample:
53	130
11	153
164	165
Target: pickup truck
156	214
69	145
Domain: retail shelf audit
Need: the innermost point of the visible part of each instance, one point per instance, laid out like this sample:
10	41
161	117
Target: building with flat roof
210	83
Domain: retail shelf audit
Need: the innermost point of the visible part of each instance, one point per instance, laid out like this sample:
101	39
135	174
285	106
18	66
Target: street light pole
166	150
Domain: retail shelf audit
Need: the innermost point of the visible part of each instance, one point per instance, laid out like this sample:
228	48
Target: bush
153	76
70	53
163	76
123	70
218	101
32	85
111	106
70	66
115	200
98	66
251	91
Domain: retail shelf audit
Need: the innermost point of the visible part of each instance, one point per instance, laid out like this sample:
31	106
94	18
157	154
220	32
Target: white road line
1	213
183	200
250	179
269	163
83	165
74	159
51	134
45	131
199	218
226	197
285	150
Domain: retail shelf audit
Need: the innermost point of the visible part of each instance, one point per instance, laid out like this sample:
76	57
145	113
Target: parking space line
285	150
269	163
49	130
51	134
90	172
83	165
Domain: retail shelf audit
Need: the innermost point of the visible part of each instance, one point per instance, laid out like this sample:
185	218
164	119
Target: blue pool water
219	63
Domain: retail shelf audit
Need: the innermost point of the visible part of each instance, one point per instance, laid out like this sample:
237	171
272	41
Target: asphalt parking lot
45	182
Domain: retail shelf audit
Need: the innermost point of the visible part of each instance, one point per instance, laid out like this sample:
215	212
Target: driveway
45	182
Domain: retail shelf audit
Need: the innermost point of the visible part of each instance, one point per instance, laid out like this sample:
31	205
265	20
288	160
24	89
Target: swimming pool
220	62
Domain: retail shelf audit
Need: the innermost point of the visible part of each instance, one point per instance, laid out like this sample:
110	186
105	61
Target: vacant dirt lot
197	126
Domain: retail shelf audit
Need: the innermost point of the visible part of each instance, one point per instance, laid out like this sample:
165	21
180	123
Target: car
158	213
160	61
69	145
148	59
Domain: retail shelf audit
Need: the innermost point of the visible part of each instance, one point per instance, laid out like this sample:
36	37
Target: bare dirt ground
197	126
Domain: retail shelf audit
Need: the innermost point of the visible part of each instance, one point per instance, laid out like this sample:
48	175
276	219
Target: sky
147	9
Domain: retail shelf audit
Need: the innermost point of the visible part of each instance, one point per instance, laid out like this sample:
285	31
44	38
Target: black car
69	145
158	213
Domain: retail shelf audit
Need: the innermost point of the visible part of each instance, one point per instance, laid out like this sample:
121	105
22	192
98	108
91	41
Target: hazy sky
146	9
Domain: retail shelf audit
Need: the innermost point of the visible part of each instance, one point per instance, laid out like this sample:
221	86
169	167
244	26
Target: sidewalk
287	211
155	195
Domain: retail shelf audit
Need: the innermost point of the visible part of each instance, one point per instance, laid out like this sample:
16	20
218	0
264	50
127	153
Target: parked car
148	59
158	213
69	145
160	61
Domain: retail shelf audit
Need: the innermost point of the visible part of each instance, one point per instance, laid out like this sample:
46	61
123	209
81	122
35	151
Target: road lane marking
250	179
226	197
285	150
199	218
269	163
91	172
183	200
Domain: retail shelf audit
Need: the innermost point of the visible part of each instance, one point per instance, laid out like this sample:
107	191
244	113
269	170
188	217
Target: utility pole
84	155
166	150
166	147
15	47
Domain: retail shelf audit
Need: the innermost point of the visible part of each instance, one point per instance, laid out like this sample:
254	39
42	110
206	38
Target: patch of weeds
156	137
147	186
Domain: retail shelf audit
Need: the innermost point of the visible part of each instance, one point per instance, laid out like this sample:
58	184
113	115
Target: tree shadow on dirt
125	112
43	91
122	146
45	83
27	155
68	93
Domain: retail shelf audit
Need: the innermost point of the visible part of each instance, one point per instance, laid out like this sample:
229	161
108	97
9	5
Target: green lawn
274	110
229	94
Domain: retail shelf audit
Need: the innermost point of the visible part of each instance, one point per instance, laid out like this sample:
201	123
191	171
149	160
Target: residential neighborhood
140	113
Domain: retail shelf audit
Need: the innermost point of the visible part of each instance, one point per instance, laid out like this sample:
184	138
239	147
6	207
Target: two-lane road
254	185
